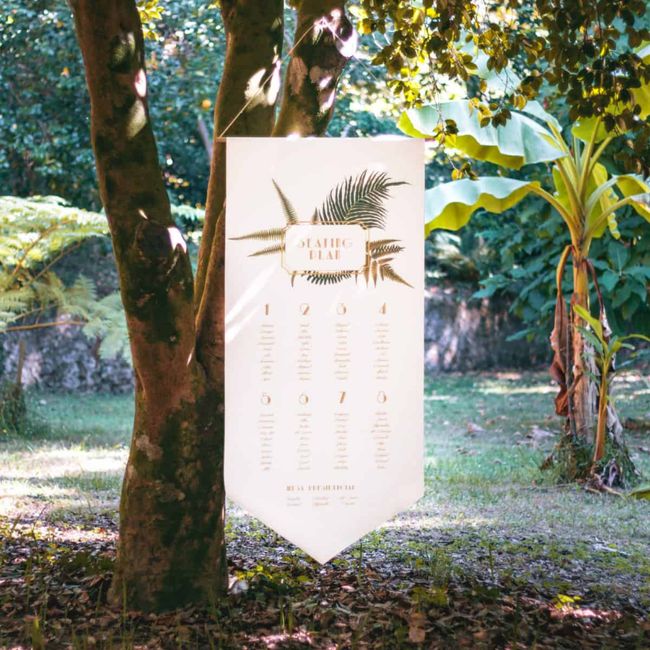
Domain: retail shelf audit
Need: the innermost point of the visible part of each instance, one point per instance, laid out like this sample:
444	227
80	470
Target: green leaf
598	187
451	205
609	280
622	295
593	339
498	81
535	109
521	141
634	186
594	323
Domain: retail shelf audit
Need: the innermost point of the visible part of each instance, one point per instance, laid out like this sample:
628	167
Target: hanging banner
324	334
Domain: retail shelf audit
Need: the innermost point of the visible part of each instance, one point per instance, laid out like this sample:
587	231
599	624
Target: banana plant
585	195
605	347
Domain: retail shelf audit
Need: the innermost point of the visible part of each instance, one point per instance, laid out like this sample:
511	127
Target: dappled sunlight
501	389
56	477
136	119
11	490
62	533
425	520
278	640
441	398
58	461
586	613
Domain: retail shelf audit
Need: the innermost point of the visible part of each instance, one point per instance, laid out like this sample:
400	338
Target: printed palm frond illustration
358	200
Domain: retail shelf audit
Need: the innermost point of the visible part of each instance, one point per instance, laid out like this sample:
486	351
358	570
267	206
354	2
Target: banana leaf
451	205
521	141
633	185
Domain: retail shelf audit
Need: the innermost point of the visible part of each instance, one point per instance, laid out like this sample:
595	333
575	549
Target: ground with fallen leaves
495	556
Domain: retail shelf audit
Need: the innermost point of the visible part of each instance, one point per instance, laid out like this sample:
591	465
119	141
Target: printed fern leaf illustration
387	272
273	234
358	200
289	211
278	248
378	252
328	278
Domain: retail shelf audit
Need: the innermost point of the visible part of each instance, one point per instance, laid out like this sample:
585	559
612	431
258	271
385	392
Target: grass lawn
492	529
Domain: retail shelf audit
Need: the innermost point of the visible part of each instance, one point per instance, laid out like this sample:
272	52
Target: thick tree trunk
170	549
325	39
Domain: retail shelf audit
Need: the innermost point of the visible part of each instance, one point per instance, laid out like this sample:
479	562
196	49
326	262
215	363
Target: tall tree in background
171	548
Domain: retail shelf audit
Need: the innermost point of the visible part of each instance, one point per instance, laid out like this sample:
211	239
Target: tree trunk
246	100
171	549
325	39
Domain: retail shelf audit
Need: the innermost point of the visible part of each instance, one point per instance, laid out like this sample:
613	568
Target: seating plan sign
324	334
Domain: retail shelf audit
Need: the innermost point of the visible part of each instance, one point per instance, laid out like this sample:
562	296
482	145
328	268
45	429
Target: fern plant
35	234
357	201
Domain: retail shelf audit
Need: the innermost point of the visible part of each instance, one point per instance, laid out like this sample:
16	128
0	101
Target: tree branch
325	39
254	32
154	268
244	106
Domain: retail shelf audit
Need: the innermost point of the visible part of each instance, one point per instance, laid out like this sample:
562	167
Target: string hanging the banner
276	66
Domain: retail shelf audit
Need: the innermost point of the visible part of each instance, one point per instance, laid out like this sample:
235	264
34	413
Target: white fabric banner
324	334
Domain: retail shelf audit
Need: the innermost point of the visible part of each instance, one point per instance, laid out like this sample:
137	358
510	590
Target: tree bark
171	546
325	39
171	549
246	100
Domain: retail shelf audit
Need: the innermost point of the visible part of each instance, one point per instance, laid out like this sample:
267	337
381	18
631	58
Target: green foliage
587	52
34	235
44	132
642	492
44	108
517	255
44	129
452	204
590	191
459	126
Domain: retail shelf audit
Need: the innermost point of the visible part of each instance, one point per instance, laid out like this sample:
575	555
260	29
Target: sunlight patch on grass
500	389
58	461
451	399
441	521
